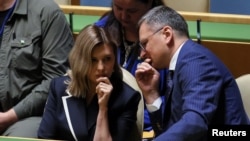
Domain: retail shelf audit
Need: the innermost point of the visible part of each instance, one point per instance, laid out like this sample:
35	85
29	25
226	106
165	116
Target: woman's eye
107	59
94	60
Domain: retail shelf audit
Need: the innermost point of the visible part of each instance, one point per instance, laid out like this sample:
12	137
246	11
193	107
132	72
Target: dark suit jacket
204	94
68	118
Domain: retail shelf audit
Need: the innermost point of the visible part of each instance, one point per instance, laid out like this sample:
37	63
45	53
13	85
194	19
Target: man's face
153	46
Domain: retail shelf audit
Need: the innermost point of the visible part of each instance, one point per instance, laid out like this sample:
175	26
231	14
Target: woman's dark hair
113	26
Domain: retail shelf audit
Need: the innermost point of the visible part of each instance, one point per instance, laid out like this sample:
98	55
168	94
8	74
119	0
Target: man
35	39
203	91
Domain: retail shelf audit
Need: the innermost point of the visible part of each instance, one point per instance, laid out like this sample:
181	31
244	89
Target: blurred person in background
35	39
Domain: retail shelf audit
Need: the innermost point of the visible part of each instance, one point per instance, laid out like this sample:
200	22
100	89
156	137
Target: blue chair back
104	3
230	6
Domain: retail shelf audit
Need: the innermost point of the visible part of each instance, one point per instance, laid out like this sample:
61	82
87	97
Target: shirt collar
173	60
21	7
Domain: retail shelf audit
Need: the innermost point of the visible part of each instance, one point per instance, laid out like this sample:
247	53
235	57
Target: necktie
169	84
168	94
160	126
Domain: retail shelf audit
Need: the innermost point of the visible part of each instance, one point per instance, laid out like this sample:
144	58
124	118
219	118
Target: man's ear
168	34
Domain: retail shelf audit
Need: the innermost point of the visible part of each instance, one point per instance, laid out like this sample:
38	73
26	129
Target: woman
121	22
92	102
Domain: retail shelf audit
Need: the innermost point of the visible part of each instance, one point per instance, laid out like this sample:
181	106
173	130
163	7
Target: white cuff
155	105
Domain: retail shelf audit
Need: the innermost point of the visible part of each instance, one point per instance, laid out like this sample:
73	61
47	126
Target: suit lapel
93	108
75	113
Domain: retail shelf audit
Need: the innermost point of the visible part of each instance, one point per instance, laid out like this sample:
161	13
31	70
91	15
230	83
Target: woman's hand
103	90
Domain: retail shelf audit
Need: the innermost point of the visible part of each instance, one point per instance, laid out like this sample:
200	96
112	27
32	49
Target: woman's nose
124	15
100	65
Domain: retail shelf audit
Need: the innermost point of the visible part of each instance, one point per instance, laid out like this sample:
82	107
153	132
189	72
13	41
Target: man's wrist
155	105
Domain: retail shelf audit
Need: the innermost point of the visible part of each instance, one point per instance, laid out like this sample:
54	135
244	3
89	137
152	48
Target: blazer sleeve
126	121
47	129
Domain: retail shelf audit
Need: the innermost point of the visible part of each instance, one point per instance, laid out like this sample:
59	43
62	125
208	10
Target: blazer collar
80	118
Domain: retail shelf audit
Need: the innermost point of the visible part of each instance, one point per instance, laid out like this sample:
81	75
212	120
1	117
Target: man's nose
143	54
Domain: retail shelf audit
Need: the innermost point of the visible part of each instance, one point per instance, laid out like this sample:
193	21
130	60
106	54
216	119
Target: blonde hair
81	61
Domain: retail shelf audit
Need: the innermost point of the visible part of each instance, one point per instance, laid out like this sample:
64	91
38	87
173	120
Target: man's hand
7	119
147	78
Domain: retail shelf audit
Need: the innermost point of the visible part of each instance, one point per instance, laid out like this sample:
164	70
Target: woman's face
103	60
128	12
